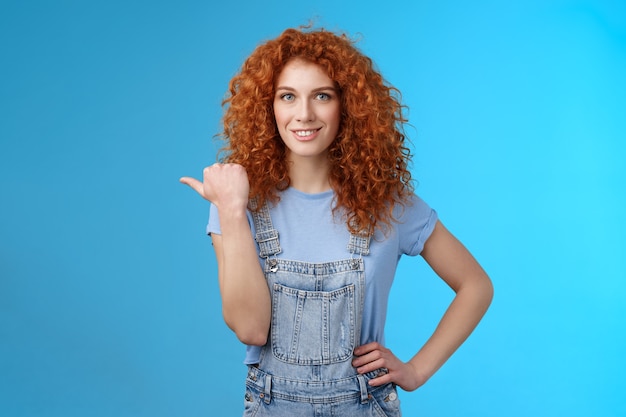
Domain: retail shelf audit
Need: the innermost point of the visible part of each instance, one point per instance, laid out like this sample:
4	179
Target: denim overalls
305	369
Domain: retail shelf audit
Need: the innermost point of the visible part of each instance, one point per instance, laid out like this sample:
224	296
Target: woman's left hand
373	356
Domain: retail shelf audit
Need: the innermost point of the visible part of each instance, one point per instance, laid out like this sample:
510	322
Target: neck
309	175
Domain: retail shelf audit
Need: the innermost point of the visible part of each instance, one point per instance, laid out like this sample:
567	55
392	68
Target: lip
311	136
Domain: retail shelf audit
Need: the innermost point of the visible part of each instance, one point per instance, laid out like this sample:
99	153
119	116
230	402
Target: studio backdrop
109	302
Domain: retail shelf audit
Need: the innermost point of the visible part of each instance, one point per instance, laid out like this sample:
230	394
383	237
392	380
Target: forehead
302	73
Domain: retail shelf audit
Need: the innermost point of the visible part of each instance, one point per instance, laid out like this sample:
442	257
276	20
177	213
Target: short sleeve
214	221
417	222
213	226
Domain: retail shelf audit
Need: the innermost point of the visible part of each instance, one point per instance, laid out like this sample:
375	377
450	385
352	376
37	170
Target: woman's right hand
246	304
225	185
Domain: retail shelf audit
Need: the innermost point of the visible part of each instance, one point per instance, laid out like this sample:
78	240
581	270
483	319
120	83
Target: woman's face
307	108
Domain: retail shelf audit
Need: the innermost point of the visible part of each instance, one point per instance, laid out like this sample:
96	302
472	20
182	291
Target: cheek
334	117
280	117
281	122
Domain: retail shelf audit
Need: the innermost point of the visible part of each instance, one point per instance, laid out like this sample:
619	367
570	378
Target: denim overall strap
266	236
359	244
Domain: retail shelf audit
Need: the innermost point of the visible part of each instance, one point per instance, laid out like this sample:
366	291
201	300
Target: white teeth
304	132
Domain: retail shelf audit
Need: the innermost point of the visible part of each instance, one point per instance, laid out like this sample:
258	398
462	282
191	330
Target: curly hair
369	159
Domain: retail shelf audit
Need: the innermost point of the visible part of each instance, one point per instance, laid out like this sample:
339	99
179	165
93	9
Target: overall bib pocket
313	327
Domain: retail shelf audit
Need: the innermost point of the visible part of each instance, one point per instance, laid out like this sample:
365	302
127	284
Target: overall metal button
273	263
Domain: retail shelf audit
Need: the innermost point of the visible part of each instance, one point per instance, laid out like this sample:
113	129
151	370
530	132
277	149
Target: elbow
251	333
480	290
489	289
252	338
486	291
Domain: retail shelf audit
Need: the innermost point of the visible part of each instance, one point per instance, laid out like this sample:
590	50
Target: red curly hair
369	160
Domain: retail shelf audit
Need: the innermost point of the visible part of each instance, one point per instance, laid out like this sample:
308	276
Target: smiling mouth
305	133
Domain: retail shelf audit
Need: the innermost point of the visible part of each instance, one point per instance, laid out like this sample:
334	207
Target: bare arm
474	291
245	295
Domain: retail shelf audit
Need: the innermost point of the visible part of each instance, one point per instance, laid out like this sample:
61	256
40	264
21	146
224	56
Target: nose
305	112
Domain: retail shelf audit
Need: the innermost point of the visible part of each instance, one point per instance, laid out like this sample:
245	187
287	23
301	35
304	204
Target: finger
364	349
193	183
380	380
367	358
371	366
367	355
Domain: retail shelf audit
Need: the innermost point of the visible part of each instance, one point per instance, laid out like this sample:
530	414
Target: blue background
109	303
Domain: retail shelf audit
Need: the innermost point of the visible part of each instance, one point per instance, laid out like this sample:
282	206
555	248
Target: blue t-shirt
308	232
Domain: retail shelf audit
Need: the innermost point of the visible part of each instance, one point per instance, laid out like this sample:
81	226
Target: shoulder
413	208
415	221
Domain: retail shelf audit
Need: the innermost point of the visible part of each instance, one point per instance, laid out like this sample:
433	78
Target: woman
311	210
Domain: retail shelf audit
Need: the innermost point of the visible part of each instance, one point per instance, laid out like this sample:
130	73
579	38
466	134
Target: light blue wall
108	296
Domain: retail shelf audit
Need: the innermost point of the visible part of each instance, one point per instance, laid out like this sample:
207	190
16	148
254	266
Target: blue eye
287	97
323	96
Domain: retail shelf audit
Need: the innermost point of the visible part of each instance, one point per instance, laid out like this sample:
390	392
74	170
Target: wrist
421	372
232	211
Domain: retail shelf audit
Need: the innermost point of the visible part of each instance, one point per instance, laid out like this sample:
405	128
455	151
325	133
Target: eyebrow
315	90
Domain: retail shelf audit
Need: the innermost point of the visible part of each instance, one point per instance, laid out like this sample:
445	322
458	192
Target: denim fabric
314	312
268	395
306	369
